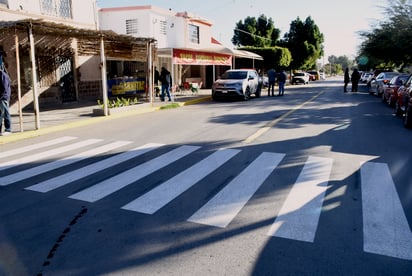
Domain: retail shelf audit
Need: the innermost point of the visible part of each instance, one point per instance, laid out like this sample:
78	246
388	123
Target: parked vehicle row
377	85
398	94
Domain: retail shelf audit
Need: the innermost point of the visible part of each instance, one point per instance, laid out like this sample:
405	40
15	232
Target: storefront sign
200	58
118	87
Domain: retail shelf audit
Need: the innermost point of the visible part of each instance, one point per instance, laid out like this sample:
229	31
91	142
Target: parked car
408	113
300	77
314	75
390	92
403	97
365	77
237	83
377	85
322	75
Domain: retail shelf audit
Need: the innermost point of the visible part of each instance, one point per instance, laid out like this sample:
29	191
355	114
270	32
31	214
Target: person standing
355	80
5	93
156	81
166	81
282	81
346	80
271	81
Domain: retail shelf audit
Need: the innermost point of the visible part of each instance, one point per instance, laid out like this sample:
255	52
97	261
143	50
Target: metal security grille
66	82
58	8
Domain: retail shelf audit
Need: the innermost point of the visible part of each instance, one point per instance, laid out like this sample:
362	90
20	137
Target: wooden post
151	71
104	77
34	79
16	40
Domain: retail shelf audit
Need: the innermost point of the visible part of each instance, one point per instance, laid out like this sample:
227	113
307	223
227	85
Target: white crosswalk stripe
9	179
126	178
45	154
41	145
62	180
386	230
221	209
166	192
385	227
299	216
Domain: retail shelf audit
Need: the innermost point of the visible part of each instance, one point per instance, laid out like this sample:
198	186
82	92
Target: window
194	33
163	27
58	8
132	26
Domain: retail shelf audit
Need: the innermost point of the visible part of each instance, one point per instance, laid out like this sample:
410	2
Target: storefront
53	63
199	66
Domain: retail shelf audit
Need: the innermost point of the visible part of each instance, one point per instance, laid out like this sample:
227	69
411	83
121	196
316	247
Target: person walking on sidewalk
281	82
346	80
271	81
5	93
166	81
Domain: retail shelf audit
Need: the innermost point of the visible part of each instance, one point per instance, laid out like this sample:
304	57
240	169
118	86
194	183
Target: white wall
169	30
84	13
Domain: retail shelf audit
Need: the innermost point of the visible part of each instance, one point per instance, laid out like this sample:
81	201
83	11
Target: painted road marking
45	154
222	208
299	215
12	178
152	201
126	178
385	227
36	146
72	176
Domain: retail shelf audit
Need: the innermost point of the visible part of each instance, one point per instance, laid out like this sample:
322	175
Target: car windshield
390	75
299	74
402	78
234	75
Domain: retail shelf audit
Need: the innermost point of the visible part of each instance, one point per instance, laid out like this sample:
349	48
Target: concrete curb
17	136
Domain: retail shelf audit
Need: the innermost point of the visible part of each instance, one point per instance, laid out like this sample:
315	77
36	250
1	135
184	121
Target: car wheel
246	95
408	118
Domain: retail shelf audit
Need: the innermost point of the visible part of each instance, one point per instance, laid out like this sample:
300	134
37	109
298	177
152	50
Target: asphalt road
316	182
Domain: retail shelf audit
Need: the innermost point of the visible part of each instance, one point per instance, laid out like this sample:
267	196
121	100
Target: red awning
189	57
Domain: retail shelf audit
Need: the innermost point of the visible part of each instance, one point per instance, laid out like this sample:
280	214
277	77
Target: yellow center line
269	125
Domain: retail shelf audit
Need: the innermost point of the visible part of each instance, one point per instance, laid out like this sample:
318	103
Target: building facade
184	41
67	46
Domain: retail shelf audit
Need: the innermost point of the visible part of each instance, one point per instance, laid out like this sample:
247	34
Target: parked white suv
237	83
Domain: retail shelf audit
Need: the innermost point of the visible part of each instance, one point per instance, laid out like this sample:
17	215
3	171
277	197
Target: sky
339	21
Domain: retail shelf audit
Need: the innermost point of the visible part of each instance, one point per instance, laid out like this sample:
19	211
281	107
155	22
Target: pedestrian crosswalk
51	165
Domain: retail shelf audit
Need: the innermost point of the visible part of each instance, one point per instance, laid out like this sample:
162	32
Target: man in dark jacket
5	93
166	80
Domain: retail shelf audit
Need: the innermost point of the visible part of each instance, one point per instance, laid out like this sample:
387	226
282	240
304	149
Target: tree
304	40
257	32
273	57
388	44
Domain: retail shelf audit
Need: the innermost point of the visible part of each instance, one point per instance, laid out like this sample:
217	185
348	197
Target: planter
114	110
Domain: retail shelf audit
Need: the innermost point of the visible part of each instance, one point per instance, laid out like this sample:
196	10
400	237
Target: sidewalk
64	116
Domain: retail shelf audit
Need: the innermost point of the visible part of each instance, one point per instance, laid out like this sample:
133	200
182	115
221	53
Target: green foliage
304	40
257	32
170	106
388	44
119	102
273	57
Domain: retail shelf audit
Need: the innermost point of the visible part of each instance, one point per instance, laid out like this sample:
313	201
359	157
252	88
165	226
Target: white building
185	43
76	13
